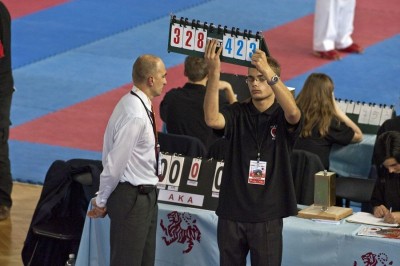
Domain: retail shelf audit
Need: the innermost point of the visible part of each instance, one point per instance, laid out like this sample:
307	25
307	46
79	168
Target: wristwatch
273	80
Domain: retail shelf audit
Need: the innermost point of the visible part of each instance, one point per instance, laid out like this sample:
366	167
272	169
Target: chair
356	190
62	228
304	166
58	220
217	149
181	144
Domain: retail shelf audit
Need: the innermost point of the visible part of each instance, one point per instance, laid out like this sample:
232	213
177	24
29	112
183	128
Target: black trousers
5	166
263	240
133	226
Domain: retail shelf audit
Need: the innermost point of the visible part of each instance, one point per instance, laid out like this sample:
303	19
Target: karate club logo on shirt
181	229
273	132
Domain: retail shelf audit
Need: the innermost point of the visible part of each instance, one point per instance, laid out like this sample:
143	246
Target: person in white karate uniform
333	27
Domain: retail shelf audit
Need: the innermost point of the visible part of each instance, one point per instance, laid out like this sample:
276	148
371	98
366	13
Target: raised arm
212	116
226	87
282	93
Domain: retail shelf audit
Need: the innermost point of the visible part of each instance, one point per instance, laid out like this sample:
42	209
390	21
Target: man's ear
150	81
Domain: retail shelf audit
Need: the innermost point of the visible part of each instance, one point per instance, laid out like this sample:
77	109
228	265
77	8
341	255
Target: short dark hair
388	146
274	64
195	68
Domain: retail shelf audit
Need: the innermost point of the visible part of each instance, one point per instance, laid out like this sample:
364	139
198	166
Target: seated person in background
385	198
324	123
182	108
392	124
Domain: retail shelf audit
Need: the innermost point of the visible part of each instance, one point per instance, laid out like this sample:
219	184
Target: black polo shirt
244	202
182	111
338	133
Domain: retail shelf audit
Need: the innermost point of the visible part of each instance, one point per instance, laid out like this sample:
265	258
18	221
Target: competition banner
190	37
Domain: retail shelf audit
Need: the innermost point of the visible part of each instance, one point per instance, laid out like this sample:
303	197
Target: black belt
146	189
143	189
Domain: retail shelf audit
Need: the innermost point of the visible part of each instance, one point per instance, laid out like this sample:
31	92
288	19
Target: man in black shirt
182	108
6	91
257	188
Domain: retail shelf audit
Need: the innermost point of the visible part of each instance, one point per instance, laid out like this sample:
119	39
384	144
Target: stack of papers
368	218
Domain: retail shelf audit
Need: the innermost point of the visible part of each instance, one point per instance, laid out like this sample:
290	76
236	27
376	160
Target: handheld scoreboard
190	37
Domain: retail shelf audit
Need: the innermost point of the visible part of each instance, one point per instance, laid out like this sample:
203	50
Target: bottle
71	260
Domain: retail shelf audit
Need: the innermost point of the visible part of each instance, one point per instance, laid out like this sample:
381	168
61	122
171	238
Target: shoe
4	212
353	48
330	55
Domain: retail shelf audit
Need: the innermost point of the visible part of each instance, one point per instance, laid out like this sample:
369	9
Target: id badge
257	172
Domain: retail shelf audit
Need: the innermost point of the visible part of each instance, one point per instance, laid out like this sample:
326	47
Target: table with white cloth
354	159
189	238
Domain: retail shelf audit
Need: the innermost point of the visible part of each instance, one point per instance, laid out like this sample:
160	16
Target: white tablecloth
305	242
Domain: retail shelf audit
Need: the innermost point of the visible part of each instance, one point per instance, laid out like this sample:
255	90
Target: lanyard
150	115
256	123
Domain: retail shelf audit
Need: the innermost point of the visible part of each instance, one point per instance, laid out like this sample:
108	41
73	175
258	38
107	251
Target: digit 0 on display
195	169
190	37
219	168
175	171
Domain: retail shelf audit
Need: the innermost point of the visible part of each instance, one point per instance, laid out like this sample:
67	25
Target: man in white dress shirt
333	27
128	182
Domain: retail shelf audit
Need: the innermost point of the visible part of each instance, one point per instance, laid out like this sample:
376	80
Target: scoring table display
190	38
188	181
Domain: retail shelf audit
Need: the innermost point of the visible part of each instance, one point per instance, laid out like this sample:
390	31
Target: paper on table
325	221
378	231
368	218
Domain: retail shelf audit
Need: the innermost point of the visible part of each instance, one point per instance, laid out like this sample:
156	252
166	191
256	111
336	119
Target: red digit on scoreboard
188	39
200	40
177	38
176	35
194	172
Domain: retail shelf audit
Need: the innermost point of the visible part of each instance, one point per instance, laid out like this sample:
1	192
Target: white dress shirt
128	147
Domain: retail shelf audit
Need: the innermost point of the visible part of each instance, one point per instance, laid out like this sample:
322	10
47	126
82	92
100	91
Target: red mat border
82	125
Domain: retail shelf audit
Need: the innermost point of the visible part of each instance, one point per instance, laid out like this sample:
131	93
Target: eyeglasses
251	79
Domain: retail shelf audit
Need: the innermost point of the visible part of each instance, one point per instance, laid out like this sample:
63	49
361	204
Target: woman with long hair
324	122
